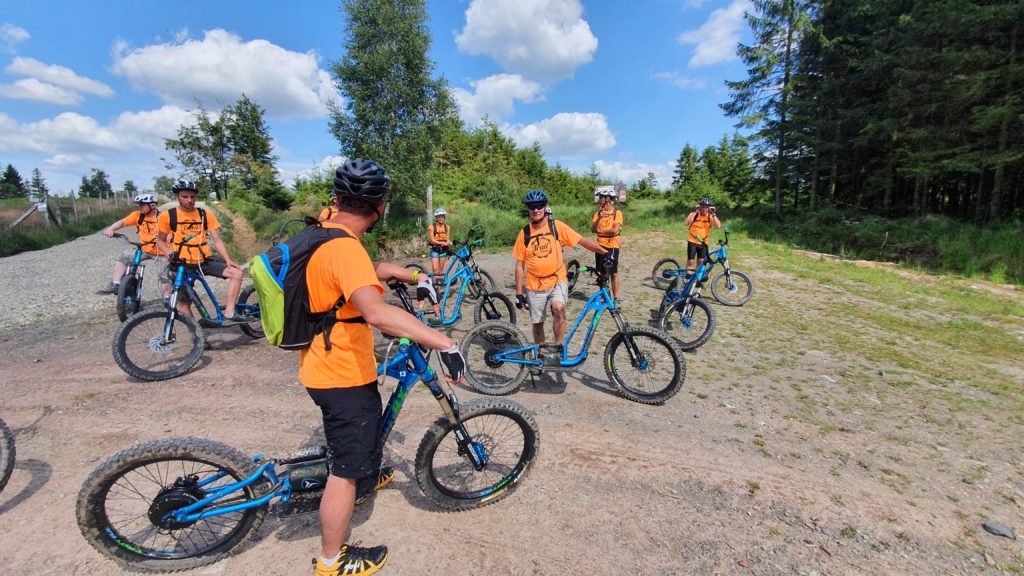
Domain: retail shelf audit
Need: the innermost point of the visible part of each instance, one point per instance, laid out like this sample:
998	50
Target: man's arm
109	230
394	320
689	219
520	275
593	246
716	221
387	271
222	249
593	224
162	246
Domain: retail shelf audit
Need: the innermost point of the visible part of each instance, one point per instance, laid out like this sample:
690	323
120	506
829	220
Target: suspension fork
635	355
449	403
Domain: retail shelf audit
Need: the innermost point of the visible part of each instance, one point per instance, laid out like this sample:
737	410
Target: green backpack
279	275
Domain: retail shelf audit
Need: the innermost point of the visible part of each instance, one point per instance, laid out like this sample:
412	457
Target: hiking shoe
370	484
110	288
353	561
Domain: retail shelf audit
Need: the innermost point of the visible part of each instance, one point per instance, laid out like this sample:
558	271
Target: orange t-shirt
196	250
605	222
438	233
327	213
701	226
339	267
543	257
147	230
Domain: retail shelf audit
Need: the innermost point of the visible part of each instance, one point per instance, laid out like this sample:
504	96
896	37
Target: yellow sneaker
353	561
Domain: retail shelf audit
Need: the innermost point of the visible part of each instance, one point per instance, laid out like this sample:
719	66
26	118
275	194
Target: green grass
16	240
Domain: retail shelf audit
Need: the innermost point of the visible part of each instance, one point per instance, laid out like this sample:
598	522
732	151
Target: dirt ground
786	452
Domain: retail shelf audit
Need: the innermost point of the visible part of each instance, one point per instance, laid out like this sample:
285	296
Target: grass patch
17	240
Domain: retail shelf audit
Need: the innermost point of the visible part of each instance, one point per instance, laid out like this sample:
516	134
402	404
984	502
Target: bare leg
558	311
335	512
119	270
615	285
234	276
538	333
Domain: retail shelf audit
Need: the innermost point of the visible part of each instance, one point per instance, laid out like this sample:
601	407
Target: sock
328	562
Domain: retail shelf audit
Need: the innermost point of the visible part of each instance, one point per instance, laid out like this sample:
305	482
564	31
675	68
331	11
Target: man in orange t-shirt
540	267
607	224
342	381
699	224
144	219
200	224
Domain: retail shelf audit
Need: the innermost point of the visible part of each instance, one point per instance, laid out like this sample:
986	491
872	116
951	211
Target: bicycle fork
636	357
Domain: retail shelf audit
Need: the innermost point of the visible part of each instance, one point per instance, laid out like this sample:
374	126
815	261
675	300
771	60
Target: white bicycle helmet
145	199
440	212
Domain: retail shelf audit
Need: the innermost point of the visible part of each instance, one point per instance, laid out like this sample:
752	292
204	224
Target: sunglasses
536	206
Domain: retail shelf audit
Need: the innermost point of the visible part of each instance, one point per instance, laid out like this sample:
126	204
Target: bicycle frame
408	367
690	286
596	304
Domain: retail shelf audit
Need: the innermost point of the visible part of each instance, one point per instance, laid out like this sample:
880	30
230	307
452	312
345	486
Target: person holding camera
699	223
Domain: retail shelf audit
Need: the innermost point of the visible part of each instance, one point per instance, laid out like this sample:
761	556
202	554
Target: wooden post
430	203
74	206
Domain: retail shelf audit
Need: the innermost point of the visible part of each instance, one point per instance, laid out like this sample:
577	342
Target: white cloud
58	75
32	89
631	172
565	134
694	3
716	40
289	171
58	160
681	82
10	35
545	40
218	69
71	133
495	97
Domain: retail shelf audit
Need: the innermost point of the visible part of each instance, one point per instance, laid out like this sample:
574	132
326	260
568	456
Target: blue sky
623	85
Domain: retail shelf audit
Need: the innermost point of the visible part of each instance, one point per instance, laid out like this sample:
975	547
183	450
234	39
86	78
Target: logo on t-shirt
542	247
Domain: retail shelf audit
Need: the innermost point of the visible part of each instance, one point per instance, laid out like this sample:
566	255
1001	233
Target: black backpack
173	215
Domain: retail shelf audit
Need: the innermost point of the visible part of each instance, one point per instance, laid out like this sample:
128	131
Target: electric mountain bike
729	287
483	282
161	344
129	293
683	313
6	454
644	363
176	504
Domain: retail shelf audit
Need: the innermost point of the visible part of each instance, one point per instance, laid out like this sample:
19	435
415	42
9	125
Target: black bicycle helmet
535	197
184	185
361	180
705	201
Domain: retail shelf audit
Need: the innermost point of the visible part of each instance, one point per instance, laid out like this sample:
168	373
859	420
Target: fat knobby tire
90	509
254	329
666	343
656	277
454	500
187	332
127	301
476	343
6	454
688	342
502	305
719	291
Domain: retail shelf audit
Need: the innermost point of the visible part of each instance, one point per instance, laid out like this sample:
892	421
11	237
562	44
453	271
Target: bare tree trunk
430	204
814	184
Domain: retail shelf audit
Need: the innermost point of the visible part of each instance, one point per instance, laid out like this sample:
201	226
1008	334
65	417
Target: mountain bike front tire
662	265
140	350
732	288
6	454
691	321
503	430
494	306
129	298
656	374
123	505
479	347
484	284
251	297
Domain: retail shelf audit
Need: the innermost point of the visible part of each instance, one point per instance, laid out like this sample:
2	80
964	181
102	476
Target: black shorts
614	253
352	427
696	251
209	267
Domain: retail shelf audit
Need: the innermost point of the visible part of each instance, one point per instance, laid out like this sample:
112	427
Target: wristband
415	274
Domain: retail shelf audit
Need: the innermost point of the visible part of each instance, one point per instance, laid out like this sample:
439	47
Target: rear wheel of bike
662	265
504	431
494	306
732	288
140	350
658	371
484	372
128	297
251	299
691	321
123	508
6	454
572	273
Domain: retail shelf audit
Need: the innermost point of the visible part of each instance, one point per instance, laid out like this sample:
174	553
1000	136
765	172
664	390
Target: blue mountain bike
729	287
164	343
129	293
180	503
482	282
644	363
6	454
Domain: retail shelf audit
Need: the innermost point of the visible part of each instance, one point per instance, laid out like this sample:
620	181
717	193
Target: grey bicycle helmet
361	181
145	199
181	185
535	197
705	201
440	212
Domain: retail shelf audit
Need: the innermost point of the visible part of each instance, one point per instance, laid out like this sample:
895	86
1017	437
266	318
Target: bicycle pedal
296	505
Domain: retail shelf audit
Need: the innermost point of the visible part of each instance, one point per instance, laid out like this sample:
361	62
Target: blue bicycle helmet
535	197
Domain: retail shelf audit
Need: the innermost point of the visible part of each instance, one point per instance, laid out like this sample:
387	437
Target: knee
558	311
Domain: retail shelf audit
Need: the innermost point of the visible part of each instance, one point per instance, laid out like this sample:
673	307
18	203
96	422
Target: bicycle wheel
414	266
128	299
494	306
691	321
250	297
123	507
6	454
572	272
732	288
503	430
484	284
479	347
657	374
140	350
662	265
